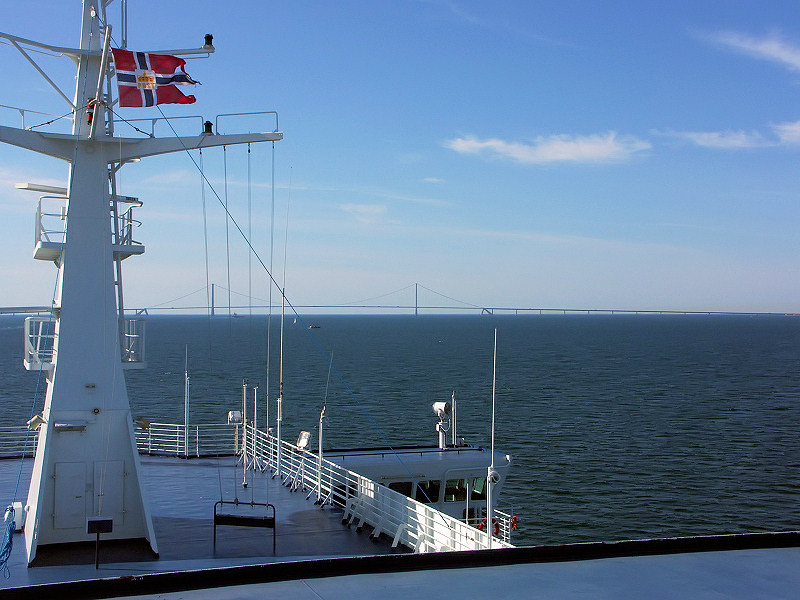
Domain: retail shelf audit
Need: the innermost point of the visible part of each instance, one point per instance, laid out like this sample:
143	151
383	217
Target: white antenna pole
186	403
280	390
98	96
453	402
244	432
255	410
319	458
255	420
490	475
283	317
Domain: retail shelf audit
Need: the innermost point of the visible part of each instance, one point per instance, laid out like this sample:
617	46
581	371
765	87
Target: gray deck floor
181	495
737	575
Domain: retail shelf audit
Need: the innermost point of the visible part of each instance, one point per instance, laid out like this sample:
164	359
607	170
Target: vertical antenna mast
491	475
87	463
280	391
186	403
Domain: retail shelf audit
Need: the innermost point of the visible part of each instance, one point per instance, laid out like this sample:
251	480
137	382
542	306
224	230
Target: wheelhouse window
428	491
403	487
455	490
479	489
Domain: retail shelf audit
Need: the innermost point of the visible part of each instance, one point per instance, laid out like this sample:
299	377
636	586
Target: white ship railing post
319	457
186	404
244	432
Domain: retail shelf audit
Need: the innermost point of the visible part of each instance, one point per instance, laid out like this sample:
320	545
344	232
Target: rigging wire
180	297
271	248
297	315
249	237
53	120
205	247
447	297
129	123
227	234
403	289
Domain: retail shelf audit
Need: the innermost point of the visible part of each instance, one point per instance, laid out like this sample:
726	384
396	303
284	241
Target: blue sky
628	155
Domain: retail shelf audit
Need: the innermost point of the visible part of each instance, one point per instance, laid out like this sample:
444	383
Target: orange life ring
495	526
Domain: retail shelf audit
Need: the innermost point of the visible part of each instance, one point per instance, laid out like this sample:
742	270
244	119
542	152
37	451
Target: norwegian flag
149	79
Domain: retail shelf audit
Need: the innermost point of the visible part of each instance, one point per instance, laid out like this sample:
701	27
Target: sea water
620	426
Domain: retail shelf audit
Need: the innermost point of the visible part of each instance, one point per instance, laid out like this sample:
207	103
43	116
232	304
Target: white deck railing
188	441
363	501
16	441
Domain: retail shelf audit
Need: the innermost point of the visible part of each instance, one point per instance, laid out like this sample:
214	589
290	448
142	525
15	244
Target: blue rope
8	541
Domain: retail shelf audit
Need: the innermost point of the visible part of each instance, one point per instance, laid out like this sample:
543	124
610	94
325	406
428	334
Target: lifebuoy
495	526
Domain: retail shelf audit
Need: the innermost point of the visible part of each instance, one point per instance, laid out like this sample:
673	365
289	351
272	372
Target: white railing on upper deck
363	501
40	337
187	441
132	342
51	216
33	119
16	441
40	342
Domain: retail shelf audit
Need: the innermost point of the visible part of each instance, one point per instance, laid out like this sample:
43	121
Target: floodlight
35	422
442	409
303	439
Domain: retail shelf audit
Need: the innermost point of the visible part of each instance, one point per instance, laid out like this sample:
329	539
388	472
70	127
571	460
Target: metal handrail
174	439
247	114
407	521
39	344
43	233
154	120
132	340
23	111
362	500
17	441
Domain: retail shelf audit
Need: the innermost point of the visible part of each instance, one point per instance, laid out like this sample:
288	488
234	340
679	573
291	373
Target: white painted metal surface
84	360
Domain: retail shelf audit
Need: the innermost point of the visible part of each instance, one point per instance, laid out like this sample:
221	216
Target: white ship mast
86	465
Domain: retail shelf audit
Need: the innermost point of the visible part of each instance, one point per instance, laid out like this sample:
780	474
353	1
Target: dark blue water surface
620	426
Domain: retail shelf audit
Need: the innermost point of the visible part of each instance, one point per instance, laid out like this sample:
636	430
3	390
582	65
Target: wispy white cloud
370	192
606	147
782	134
788	133
365	213
772	47
724	140
515	27
433	180
169	179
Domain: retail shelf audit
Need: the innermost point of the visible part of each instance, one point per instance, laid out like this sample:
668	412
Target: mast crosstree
86	465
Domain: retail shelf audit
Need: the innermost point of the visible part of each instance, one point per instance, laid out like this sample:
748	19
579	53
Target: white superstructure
86	465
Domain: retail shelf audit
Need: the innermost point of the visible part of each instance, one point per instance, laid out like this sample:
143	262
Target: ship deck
181	495
317	557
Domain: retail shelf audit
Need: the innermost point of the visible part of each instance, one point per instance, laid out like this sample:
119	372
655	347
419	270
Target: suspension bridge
409	302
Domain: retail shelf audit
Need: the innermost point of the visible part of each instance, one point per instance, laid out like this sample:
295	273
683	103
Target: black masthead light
208	128
209	41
